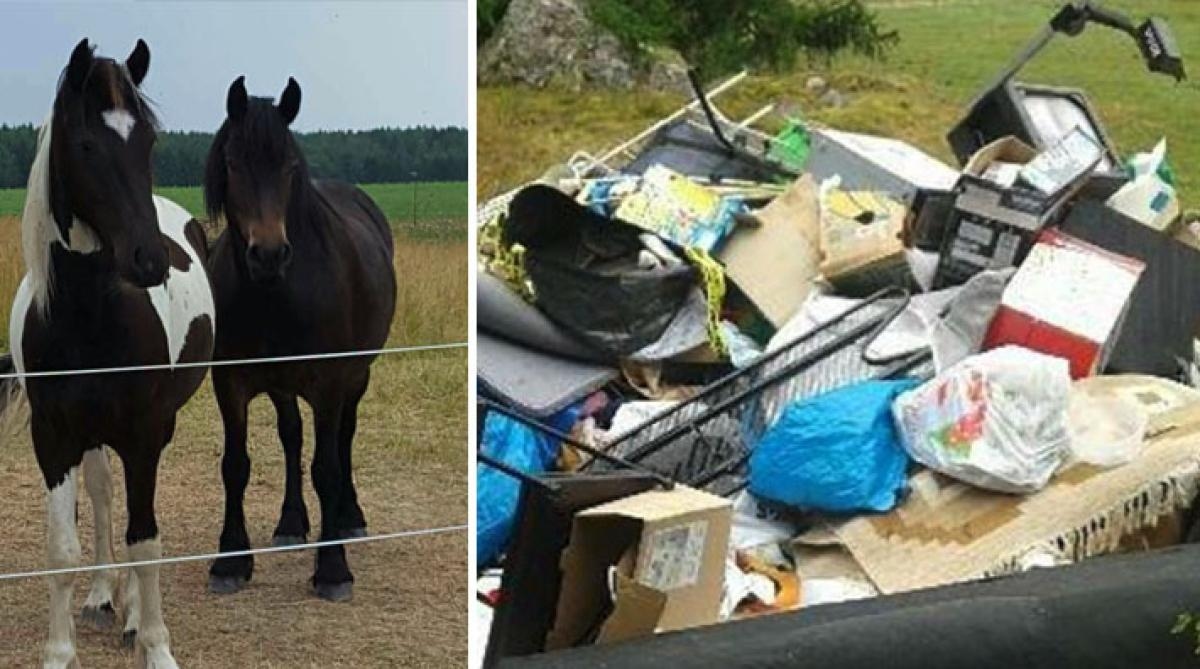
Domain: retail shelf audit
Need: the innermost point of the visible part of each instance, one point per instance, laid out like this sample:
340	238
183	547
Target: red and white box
1068	299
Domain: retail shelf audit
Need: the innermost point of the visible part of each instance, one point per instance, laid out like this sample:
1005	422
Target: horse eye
87	146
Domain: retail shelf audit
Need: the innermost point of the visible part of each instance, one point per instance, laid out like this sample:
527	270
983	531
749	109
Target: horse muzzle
268	263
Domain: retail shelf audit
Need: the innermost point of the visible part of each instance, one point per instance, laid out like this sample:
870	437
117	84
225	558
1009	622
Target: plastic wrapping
497	494
997	420
835	452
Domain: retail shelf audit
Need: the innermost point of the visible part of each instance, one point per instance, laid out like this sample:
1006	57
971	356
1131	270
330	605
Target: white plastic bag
997	420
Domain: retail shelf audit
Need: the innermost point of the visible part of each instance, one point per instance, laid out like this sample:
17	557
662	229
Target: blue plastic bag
836	452
497	494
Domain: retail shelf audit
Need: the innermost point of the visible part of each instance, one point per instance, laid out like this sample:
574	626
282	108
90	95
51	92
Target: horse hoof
334	592
128	639
280	540
354	533
101	617
226	585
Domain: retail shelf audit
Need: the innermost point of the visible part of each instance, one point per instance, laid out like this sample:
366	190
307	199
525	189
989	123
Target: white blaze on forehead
120	120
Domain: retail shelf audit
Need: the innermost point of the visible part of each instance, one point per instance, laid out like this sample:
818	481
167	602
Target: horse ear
289	102
138	62
235	103
80	63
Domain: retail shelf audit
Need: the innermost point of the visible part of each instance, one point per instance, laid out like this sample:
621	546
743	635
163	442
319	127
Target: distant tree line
385	155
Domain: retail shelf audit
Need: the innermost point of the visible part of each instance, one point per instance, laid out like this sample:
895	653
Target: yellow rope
505	262
714	291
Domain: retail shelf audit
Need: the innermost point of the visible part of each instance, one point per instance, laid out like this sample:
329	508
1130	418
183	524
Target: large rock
539	42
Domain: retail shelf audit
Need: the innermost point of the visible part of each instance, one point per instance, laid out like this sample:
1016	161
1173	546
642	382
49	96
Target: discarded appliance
1040	115
866	162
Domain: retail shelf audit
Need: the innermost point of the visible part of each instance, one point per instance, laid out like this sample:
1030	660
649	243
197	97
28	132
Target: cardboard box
861	241
1068	299
773	263
874	163
666	552
994	224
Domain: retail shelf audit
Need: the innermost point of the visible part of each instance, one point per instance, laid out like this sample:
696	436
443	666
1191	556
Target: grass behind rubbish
948	51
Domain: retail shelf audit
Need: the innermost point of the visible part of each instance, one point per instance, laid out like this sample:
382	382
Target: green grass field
948	51
437	202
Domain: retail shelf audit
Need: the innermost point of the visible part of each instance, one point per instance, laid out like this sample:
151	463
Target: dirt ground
409	605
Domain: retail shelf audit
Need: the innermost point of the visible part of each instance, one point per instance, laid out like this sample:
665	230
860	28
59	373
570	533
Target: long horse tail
14	406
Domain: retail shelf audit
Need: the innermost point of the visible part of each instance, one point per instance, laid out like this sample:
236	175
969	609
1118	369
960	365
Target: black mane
264	136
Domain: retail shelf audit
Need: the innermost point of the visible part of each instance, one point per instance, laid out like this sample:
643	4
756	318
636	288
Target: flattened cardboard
666	546
775	262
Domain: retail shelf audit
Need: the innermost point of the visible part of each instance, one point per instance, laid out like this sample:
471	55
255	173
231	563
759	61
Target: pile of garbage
725	373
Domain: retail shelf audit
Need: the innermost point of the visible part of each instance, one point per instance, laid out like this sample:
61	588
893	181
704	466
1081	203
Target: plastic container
1105	431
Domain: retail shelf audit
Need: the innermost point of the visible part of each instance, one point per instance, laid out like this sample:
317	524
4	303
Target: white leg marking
120	120
131	600
97	477
153	640
63	551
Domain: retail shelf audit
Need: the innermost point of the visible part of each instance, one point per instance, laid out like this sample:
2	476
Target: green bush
487	16
719	36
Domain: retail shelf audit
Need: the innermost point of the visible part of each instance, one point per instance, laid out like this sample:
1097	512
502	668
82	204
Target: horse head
254	172
100	174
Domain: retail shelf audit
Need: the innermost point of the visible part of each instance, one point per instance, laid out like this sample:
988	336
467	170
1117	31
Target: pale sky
360	65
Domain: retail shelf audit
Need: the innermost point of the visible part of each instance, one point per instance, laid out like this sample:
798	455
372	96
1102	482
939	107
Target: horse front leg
293	517
231	574
144	545
63	550
332	580
98	610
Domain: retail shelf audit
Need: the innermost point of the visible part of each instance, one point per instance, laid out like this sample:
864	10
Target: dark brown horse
115	278
302	267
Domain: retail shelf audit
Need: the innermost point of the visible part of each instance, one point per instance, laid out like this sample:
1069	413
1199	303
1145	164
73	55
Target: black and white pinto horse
303	267
115	277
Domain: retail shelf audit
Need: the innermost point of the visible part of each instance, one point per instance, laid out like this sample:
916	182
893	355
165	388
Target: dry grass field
410	464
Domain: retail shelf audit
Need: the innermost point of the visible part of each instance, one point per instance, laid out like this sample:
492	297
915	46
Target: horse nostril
285	253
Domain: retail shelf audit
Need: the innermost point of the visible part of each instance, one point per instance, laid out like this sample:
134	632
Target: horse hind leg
332	579
351	520
98	611
293	524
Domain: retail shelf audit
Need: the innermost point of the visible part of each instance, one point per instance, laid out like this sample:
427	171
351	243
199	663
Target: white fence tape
252	551
229	363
